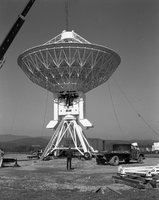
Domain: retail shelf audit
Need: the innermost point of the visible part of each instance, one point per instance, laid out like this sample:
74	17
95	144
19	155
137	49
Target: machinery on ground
141	177
8	162
13	32
69	66
121	152
35	155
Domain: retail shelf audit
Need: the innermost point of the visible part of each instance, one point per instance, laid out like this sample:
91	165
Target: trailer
8	162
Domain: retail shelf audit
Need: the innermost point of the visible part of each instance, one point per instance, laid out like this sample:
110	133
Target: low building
155	146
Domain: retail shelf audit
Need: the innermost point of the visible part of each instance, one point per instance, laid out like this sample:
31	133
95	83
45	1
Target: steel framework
69	62
69	66
68	125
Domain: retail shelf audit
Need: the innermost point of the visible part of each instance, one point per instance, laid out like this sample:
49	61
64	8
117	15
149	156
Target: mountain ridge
30	140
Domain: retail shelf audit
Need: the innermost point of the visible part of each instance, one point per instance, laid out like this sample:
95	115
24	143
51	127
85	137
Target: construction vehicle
13	32
120	152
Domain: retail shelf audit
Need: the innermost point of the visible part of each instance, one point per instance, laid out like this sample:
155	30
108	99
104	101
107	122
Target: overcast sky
130	109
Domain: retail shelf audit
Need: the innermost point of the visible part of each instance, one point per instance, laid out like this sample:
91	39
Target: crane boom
13	31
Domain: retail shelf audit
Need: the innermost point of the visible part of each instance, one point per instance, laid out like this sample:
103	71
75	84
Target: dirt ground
49	180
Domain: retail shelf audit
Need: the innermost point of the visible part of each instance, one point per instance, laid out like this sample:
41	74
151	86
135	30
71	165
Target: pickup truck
120	152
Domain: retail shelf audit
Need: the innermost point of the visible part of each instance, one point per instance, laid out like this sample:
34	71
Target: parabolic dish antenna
68	62
69	66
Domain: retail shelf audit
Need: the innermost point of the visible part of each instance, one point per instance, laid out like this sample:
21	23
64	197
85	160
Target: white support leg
76	134
50	145
80	136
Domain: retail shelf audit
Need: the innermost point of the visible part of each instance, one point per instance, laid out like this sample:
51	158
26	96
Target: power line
134	109
113	105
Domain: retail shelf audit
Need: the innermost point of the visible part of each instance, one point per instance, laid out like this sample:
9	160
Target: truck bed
105	157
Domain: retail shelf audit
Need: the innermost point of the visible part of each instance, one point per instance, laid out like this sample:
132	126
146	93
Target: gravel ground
37	179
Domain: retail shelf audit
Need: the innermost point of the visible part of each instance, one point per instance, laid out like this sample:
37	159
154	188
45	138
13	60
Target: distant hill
32	141
15	143
140	142
10	137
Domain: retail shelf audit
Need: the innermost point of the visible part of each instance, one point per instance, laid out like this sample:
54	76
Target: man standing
69	155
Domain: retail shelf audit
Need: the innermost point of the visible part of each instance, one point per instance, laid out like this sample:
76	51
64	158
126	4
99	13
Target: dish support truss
69	126
71	119
68	62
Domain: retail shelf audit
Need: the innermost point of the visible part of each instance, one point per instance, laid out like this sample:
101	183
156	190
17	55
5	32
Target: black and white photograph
79	99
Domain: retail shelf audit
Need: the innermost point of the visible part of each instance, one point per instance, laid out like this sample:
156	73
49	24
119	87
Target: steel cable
113	105
134	109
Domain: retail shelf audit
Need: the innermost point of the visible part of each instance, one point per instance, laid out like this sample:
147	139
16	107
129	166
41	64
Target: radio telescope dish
68	62
69	66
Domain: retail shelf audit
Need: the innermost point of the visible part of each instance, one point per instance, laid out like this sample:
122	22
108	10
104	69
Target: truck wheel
140	159
87	155
114	161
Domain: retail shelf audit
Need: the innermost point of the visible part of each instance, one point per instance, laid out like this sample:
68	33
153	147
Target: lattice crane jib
14	31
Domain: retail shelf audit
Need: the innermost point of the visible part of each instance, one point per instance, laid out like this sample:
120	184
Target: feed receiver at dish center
69	66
